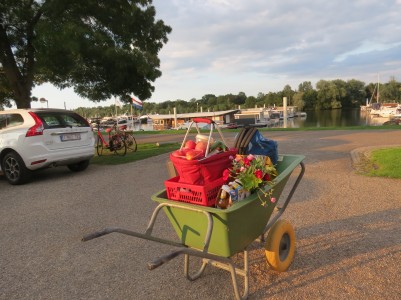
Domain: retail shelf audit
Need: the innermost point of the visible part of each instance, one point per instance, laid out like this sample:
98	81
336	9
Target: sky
230	46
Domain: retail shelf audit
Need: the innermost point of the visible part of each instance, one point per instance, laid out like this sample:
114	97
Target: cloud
227	46
281	39
366	47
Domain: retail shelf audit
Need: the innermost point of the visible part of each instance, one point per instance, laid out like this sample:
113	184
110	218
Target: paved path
348	231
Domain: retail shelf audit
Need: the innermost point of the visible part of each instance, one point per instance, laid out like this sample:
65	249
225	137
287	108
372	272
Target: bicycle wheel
131	142
99	146
119	146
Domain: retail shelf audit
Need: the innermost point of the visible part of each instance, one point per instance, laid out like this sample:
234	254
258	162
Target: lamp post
43	100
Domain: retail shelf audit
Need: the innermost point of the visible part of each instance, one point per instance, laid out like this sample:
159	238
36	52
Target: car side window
3	121
10	120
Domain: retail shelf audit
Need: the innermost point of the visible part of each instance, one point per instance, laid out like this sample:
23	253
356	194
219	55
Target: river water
324	118
333	118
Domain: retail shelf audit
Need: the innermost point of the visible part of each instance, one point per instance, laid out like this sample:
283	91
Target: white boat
278	113
377	109
387	110
384	110
397	113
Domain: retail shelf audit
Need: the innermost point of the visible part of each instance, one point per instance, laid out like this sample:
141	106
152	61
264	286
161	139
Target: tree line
328	94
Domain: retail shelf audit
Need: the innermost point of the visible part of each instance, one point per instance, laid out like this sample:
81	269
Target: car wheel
15	170
80	166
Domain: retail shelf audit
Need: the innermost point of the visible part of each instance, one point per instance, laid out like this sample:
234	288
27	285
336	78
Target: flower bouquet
252	173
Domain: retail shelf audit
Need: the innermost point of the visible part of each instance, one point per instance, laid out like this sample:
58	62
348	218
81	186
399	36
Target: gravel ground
348	231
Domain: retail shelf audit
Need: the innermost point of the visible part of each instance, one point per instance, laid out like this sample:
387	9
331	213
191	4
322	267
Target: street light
43	100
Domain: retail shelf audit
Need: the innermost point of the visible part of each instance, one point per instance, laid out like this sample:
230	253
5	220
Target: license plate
70	137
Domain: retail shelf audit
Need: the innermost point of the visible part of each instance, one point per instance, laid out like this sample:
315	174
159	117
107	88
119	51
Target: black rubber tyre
131	142
80	166
280	246
14	169
119	146
99	147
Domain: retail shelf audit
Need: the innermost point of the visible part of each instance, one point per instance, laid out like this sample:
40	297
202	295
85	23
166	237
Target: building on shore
255	116
181	121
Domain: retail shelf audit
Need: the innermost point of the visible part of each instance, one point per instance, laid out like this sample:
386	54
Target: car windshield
61	119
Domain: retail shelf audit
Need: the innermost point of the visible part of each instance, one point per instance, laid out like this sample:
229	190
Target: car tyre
14	169
80	166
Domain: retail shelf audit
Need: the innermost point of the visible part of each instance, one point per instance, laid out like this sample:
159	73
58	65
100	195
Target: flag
136	103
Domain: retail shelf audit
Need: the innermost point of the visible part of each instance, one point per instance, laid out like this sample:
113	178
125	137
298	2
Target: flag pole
132	117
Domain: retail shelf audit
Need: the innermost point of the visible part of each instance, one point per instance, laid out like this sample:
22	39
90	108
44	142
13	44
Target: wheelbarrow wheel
280	245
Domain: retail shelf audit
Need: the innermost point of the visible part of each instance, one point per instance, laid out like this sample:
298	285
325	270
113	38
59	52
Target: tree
208	100
5	92
371	92
260	96
329	94
298	100
307	94
272	99
356	94
101	48
305	86
391	91
340	99
309	98
250	102
238	99
288	92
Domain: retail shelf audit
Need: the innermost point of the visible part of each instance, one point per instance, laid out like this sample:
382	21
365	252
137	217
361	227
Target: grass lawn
143	151
385	163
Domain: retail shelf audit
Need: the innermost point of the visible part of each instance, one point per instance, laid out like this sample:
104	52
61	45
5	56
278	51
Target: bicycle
116	142
129	138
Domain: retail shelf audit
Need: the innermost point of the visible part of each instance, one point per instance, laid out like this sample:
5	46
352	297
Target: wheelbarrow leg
225	264
186	269
229	266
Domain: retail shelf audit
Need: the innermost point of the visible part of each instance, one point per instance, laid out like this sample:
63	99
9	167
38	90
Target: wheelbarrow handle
165	258
100	233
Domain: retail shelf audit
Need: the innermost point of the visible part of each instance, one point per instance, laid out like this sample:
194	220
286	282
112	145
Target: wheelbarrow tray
233	228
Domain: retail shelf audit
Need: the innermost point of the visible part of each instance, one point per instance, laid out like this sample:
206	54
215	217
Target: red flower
266	177
258	173
247	162
226	174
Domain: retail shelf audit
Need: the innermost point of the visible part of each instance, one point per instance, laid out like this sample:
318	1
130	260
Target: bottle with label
223	199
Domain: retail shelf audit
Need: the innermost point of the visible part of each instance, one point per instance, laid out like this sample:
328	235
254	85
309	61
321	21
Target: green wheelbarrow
215	235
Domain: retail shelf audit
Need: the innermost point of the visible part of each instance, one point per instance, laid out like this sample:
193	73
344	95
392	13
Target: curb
365	152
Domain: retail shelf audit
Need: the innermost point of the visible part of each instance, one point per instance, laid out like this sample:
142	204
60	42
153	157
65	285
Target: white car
32	139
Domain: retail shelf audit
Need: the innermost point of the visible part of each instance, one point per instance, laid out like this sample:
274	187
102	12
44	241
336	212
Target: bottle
223	200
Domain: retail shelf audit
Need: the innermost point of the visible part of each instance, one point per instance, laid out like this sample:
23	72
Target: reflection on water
333	118
324	118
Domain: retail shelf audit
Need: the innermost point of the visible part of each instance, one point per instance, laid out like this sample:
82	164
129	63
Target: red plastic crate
196	194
